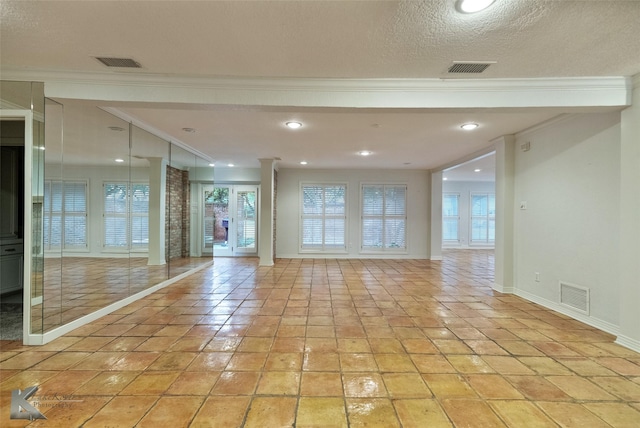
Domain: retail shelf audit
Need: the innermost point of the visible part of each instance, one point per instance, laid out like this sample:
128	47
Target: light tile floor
330	343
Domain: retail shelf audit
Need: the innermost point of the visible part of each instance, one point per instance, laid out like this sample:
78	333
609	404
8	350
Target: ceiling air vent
469	66
118	62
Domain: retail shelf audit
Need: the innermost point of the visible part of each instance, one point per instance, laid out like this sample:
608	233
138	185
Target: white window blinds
324	217
126	215
483	218
450	217
384	217
65	214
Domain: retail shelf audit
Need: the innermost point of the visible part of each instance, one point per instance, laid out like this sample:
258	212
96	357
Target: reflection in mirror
202	215
113	208
37	194
149	158
37	244
47	314
85	215
180	172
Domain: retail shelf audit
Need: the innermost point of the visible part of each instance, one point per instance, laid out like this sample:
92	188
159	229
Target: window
384	217
122	230
324	217
450	217
65	214
139	215
483	218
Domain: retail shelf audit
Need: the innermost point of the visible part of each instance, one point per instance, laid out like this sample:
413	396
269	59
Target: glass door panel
218	238
246	220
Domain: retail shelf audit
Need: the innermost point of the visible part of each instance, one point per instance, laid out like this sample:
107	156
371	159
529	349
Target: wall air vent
469	67
118	62
575	297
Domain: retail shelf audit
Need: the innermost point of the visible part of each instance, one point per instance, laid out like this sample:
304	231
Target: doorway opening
230	220
12	151
469	204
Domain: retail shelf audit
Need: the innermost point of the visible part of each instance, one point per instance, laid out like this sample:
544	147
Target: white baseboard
41	339
589	320
468	247
361	256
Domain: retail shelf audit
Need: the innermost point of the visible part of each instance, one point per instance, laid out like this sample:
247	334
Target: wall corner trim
502	289
628	342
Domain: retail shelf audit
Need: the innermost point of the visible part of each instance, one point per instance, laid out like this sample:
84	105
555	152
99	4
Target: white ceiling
482	168
323	40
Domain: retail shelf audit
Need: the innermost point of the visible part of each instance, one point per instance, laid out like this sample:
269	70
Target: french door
230	220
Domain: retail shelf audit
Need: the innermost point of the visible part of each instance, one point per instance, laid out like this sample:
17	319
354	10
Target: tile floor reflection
330	343
78	286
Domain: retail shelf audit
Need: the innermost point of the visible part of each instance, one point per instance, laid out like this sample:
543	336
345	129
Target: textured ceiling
325	39
343	39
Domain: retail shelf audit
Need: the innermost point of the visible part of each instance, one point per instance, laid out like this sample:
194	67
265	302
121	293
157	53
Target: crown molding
359	93
565	117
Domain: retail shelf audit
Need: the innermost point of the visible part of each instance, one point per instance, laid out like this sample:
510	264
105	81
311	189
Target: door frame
27	117
232	249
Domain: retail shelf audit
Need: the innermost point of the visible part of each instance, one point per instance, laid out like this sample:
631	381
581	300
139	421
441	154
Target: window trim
322	249
384	249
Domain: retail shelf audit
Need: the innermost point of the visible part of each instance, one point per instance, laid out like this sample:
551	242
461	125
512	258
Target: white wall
569	229
464	189
288	209
236	175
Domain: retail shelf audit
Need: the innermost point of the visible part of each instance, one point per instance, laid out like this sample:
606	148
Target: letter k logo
20	407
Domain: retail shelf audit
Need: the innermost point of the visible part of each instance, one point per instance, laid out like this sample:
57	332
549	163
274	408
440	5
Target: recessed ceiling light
472	6
293	125
119	160
364	153
303	162
477	170
469	126
230	165
444	178
212	164
116	128
189	130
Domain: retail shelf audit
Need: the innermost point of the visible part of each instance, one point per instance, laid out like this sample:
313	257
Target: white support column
436	216
265	244
157	204
630	223
504	245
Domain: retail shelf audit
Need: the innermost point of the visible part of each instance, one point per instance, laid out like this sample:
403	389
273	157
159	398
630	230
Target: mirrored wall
114	212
